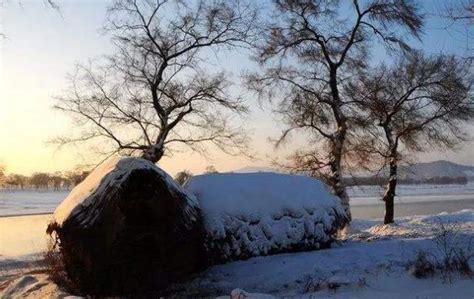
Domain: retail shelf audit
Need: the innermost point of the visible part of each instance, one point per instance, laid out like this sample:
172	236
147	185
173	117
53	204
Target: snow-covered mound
255	214
114	171
128	228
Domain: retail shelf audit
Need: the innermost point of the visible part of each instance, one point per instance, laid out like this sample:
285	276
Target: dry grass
452	255
55	267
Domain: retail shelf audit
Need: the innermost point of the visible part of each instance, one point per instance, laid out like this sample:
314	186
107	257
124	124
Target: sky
41	46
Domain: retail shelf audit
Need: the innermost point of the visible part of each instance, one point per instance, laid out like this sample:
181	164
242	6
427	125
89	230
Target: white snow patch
413	226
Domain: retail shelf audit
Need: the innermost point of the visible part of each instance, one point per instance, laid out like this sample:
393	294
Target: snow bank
254	214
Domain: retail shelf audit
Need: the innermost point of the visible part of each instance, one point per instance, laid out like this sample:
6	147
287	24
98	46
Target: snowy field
32	202
371	263
368	195
27	202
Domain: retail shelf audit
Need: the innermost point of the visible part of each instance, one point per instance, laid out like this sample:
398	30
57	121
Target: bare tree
155	92
183	176
211	169
17	181
314	48
57	180
417	104
2	174
76	176
40	180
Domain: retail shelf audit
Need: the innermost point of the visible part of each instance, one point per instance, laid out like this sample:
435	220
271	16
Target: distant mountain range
418	171
439	168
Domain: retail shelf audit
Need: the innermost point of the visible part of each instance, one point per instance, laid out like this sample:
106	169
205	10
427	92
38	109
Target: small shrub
315	285
362	282
452	255
462	262
55	267
422	266
183	176
454	250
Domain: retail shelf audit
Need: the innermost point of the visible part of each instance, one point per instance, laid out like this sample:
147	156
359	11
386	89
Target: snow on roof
112	171
262	192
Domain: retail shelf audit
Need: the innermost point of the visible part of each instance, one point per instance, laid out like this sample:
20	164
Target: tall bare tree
417	104
156	91
313	49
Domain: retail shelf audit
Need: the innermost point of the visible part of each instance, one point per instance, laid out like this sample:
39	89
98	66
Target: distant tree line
461	180
381	180
42	180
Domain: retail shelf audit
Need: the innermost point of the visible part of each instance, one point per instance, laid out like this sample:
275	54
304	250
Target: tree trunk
336	170
337	140
154	153
389	195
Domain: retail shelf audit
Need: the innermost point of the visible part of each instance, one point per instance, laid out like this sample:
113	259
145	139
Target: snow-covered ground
368	195
24	202
370	263
33	202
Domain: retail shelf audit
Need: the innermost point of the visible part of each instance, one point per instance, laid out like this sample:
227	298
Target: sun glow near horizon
42	47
